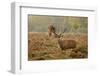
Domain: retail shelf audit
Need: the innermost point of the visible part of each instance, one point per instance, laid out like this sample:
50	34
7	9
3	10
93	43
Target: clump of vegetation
78	53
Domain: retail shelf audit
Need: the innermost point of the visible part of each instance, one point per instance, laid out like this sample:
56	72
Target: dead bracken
41	47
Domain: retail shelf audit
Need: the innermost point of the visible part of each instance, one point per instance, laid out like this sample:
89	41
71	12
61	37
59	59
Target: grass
42	47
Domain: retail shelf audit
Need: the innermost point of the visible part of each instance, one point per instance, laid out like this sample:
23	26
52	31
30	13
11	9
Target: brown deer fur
67	44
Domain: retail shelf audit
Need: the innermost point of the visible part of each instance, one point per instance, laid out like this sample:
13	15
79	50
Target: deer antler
63	32
52	29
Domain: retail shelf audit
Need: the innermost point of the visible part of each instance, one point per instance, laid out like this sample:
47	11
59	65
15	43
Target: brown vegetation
42	47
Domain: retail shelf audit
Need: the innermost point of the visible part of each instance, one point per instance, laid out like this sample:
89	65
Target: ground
43	47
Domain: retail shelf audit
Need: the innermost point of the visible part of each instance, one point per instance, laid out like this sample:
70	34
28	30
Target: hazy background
40	23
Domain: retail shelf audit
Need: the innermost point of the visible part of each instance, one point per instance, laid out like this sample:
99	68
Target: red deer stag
63	43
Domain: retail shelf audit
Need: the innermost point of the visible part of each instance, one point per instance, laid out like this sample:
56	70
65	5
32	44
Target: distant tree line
73	24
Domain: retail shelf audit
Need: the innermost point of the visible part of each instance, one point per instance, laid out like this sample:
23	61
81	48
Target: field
43	47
